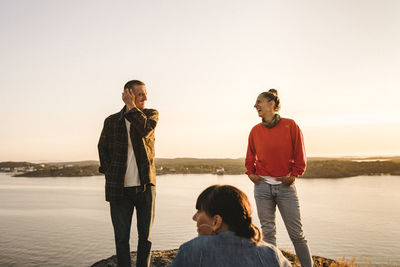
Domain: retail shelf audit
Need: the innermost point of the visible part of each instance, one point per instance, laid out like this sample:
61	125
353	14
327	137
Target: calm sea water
66	222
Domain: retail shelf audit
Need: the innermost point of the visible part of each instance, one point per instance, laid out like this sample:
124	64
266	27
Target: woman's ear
217	222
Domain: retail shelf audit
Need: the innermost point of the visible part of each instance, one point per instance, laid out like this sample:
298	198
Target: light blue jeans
267	197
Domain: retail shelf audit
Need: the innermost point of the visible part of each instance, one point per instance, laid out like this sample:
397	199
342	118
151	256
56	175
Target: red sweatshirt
277	151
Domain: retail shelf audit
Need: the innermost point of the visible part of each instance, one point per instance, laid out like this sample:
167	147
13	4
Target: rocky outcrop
158	258
162	258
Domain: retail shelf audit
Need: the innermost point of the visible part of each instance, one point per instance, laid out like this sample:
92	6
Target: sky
64	63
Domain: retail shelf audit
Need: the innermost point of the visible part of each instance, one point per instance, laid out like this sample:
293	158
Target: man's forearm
143	123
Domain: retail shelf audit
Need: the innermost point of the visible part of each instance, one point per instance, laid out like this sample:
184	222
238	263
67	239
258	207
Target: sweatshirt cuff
250	172
297	173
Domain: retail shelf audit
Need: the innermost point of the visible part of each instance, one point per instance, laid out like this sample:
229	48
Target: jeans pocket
287	189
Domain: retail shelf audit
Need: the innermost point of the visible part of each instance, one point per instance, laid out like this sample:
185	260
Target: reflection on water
65	221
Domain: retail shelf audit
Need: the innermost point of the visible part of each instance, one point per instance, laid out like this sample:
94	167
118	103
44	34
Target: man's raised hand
129	98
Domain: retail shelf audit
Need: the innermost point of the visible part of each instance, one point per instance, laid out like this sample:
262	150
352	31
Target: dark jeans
121	216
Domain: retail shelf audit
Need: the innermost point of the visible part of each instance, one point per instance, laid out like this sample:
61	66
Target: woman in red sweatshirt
275	157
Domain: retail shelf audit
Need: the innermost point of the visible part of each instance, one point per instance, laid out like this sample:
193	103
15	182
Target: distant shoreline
316	167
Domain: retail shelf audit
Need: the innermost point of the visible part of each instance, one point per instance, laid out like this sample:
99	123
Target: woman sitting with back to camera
227	236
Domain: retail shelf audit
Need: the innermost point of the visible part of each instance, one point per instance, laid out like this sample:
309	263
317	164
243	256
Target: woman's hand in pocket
255	178
287	180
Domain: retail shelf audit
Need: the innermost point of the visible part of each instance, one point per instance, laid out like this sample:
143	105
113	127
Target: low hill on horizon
316	167
192	160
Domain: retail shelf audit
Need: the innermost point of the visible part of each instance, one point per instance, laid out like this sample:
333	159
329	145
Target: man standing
126	151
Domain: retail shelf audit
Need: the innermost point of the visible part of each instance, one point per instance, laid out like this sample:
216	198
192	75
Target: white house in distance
220	171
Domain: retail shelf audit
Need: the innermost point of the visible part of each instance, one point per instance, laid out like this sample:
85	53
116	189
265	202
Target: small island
316	167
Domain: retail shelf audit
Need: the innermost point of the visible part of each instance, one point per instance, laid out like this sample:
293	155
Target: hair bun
273	91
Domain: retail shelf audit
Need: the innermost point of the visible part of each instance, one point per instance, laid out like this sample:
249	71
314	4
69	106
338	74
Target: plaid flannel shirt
113	148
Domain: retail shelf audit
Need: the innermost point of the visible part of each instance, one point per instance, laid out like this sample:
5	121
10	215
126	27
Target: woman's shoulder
226	241
208	241
287	120
197	242
257	126
190	251
265	246
272	252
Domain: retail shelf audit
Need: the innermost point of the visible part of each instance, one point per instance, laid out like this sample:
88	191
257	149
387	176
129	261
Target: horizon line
233	158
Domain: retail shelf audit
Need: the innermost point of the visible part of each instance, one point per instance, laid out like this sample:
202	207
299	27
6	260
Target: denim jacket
228	249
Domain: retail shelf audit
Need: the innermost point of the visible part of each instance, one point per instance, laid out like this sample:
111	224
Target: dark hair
131	84
233	206
272	95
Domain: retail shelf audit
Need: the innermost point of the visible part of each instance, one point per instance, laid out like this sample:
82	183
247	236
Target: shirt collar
122	113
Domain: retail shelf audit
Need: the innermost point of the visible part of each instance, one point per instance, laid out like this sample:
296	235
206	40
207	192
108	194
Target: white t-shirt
270	180
132	172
